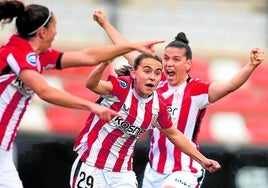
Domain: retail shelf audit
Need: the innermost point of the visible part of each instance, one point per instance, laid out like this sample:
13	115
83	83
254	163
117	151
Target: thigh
9	177
83	175
122	179
151	178
182	179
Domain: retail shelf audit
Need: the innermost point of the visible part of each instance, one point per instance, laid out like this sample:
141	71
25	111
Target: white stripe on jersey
5	98
107	128
111	145
82	147
6	77
13	63
181	104
193	114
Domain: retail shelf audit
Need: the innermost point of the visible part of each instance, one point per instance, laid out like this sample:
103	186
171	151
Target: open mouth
170	73
150	85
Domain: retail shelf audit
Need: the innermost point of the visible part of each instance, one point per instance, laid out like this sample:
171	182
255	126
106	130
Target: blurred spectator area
221	35
216	27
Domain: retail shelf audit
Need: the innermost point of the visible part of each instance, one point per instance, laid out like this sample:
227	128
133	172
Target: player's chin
150	90
149	94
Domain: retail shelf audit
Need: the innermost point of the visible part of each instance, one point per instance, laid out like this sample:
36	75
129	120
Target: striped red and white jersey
110	145
16	55
186	105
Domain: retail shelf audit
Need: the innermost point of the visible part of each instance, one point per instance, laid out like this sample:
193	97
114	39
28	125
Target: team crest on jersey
31	59
122	84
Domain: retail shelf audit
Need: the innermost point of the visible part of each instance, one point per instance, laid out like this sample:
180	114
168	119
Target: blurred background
221	34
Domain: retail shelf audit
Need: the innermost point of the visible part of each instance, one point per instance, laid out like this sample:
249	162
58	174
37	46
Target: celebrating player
22	60
168	166
106	148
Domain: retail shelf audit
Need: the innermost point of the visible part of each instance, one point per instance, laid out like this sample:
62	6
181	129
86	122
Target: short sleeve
164	120
50	59
200	88
120	84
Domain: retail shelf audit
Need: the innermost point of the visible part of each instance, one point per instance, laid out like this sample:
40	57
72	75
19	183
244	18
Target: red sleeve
121	85
22	60
164	119
29	60
199	87
50	59
19	55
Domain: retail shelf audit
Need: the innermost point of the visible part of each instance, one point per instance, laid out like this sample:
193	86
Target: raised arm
95	55
37	83
94	82
115	36
181	142
217	90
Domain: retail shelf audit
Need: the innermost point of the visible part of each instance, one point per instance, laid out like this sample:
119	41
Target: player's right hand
100	17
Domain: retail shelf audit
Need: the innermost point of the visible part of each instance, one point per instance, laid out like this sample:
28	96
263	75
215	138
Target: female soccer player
106	148
23	58
187	99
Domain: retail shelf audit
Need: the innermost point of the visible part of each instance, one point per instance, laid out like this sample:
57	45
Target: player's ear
133	73
42	32
188	65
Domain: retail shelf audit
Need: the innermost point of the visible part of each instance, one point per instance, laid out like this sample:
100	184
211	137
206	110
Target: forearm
219	89
95	55
95	76
182	143
111	52
64	99
241	77
117	38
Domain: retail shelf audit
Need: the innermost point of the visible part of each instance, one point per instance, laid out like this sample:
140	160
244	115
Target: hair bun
182	37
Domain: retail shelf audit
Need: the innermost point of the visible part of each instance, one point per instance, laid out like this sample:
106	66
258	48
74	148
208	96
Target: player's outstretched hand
147	47
103	112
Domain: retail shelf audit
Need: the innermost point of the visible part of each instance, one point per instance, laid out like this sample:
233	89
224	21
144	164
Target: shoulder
197	81
121	85
197	86
122	81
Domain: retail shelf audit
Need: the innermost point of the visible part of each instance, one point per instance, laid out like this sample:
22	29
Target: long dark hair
125	69
28	18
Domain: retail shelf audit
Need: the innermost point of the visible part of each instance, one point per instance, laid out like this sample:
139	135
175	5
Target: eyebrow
151	67
177	56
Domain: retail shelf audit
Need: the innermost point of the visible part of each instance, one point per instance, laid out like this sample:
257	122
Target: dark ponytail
123	71
181	41
29	18
9	10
